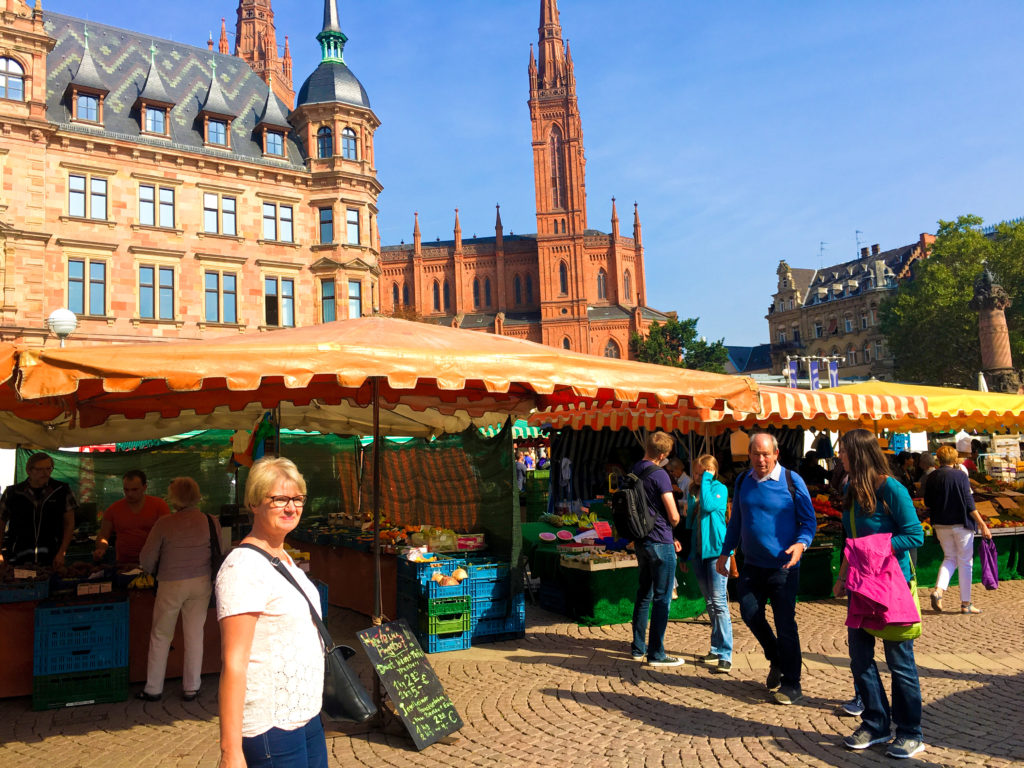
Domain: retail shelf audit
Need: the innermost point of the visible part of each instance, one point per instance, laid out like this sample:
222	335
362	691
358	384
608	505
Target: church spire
458	232
223	44
637	235
332	40
256	44
551	51
416	238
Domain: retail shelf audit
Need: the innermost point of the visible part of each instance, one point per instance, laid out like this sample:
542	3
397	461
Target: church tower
256	43
561	198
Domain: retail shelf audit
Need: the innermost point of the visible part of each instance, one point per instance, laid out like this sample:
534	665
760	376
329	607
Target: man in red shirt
130	519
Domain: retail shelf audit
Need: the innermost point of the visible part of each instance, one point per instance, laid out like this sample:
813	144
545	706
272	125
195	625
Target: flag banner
815	383
833	373
794	373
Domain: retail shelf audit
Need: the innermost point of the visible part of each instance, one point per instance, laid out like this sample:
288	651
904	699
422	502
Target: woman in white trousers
177	551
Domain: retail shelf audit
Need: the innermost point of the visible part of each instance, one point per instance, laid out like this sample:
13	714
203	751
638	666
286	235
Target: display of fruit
459	574
142	581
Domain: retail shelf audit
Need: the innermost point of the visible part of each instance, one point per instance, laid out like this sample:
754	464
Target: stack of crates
497	612
536	493
440	616
81	654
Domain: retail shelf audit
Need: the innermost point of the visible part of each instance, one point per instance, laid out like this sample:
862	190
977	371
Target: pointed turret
636	227
223	46
273	114
88	76
458	232
286	62
256	44
209	43
498	229
532	70
417	241
332	40
86	91
615	221
154	91
551	56
215	103
332	81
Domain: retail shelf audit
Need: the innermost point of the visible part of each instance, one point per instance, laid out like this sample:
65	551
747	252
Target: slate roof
860	270
122	62
745	359
332	81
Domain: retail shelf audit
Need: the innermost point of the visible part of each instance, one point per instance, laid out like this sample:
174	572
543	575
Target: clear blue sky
746	131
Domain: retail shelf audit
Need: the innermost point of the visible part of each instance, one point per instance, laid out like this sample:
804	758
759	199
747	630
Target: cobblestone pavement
568	695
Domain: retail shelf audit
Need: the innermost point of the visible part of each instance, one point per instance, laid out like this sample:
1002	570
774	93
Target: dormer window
12	80
87	107
274	143
156	120
217	132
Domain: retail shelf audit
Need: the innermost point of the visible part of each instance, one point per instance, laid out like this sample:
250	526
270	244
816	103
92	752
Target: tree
676	344
931	332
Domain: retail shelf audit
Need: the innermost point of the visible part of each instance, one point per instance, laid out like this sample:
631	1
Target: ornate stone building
833	312
162	190
567	285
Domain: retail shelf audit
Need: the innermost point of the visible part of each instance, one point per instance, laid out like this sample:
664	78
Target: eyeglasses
280	502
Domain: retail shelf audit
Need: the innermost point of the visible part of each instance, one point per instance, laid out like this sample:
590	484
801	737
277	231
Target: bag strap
215	539
279	567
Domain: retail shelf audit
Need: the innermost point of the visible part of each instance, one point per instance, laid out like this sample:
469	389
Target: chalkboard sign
410	681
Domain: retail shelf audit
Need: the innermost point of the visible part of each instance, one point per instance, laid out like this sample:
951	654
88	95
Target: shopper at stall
520	472
656	557
130	519
37	517
706	521
272	673
773	523
948	497
875	502
177	552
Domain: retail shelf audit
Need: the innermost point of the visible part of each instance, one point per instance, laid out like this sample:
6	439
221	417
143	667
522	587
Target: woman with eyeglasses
177	552
272	662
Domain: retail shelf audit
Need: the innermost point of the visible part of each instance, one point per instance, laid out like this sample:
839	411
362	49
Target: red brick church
566	286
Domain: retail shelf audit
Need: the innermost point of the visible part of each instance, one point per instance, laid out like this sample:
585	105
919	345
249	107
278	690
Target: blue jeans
906	688
305	747
713	587
755	587
657	565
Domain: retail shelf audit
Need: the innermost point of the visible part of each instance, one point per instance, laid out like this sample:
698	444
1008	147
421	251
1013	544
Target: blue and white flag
833	373
815	383
794	373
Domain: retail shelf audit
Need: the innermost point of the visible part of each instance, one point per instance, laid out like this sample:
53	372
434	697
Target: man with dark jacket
37	517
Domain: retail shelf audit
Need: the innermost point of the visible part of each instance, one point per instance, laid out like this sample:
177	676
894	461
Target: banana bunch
142	581
587	519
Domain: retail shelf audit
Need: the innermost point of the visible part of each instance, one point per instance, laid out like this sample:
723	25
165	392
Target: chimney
864	252
875	249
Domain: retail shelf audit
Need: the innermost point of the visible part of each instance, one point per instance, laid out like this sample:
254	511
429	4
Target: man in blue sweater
773	522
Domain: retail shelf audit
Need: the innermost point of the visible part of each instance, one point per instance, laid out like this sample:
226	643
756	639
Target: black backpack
633	520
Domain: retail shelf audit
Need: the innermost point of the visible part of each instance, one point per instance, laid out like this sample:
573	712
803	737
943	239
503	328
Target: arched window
405	295
487	291
476	292
851	355
529	289
602	280
563	278
627	286
12	80
324	142
517	290
437	297
611	349
867	352
447	297
563	226
566	344
557	161
349	146
394	294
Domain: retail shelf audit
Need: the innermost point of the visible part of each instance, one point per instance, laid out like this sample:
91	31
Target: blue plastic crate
489	609
321	587
552	598
77	638
482	569
421	572
432	590
514	623
498	637
24	591
458	641
488	591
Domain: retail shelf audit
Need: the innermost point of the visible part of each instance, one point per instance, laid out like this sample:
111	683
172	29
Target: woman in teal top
870	487
705	519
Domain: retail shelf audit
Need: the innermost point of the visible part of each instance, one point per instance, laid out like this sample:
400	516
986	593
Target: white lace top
285	678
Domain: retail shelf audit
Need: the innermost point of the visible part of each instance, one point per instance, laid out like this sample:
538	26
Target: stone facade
566	286
833	312
163	190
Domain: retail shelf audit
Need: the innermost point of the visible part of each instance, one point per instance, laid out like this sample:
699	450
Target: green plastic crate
78	688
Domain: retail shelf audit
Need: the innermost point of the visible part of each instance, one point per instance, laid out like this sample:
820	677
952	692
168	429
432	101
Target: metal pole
378	694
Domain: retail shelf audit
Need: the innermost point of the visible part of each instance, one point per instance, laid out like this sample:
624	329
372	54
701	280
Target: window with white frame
12	80
156	120
355	298
352	225
349	148
274	143
217	132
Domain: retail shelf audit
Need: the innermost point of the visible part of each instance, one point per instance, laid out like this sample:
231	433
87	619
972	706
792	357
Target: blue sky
748	132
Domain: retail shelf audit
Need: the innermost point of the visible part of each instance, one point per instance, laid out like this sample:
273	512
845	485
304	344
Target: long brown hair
867	468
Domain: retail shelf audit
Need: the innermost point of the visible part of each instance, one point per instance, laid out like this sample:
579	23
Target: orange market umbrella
430	379
778	406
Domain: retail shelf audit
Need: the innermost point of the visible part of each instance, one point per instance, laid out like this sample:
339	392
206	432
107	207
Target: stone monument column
990	302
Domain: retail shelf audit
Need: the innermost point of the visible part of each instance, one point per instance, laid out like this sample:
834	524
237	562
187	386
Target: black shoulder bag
345	698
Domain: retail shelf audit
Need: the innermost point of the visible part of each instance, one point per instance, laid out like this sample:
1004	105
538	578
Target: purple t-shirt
656	484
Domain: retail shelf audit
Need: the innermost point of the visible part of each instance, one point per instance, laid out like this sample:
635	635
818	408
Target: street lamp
62	323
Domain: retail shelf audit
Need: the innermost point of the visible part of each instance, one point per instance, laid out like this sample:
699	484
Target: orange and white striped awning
779	406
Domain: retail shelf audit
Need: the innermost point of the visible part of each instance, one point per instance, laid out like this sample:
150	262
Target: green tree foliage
676	344
931	331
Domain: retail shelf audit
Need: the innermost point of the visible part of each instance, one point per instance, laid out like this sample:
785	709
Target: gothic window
517	290
627	285
611	349
394	295
437	297
324	142
566	344
602	280
563	278
563	226
487	291
12	80
557	162
529	289
476	293
405	295
349	148
447	296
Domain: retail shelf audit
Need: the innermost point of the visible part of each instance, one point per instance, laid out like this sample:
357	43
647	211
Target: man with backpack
773	522
655	551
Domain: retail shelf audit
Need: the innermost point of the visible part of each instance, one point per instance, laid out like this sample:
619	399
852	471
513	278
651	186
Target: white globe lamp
62	323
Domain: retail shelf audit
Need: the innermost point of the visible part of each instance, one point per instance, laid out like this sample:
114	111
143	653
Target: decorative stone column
990	302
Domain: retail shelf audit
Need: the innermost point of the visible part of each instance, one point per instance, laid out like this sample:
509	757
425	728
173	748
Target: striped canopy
521	430
779	406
